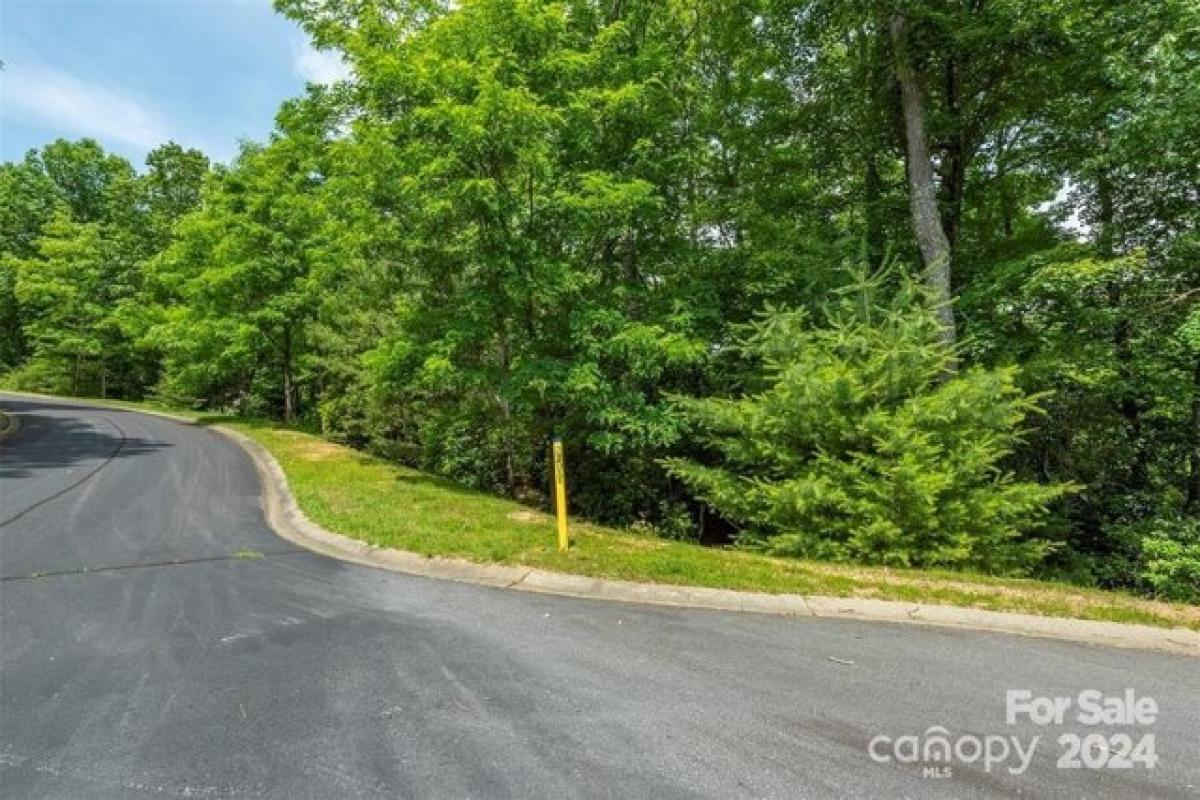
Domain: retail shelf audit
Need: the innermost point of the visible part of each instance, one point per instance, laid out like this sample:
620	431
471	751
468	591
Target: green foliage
67	292
1160	556
859	446
1171	560
1104	336
241	273
502	183
77	229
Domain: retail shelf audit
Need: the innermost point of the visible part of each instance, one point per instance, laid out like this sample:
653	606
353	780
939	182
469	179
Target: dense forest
901	282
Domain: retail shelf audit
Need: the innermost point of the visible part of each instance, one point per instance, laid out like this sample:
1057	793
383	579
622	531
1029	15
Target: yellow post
560	494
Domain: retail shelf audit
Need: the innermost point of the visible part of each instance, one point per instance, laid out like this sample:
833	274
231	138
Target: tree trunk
875	79
289	389
1129	405
875	234
1106	229
1007	206
289	407
956	187
922	193
956	155
1193	487
504	357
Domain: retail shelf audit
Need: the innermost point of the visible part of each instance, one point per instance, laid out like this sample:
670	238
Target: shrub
1171	559
857	443
40	375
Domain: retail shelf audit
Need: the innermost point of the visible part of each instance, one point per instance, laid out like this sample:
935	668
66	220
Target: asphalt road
142	656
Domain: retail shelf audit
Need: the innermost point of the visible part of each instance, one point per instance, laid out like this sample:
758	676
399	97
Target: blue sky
134	73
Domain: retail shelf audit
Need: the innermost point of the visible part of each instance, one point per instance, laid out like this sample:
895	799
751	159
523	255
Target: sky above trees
134	73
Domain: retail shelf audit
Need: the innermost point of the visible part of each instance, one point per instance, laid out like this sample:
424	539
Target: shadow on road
47	440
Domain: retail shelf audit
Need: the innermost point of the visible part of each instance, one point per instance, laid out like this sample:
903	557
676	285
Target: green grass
392	506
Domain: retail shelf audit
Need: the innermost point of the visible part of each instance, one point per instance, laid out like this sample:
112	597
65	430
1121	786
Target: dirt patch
640	542
318	450
525	515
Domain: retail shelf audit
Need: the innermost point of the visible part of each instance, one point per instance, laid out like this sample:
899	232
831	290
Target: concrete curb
286	518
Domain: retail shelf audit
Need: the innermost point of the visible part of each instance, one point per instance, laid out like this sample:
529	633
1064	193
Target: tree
72	205
241	268
83	176
533	261
853	445
27	202
170	189
67	293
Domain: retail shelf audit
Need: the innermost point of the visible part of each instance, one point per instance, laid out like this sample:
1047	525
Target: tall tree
922	192
68	291
241	268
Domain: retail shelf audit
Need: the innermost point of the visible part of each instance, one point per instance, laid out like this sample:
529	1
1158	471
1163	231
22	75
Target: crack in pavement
525	575
33	576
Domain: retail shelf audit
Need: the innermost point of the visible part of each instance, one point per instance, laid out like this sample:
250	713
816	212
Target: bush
1171	559
40	375
856	443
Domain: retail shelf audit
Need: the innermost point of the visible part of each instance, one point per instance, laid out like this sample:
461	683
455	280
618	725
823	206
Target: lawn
393	506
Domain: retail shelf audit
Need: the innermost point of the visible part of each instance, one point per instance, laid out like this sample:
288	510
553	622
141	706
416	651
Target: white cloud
63	100
319	66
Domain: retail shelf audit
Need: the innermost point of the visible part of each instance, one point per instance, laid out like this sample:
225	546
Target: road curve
158	640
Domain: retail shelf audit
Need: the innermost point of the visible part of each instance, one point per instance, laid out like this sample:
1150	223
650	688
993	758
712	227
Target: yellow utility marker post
560	494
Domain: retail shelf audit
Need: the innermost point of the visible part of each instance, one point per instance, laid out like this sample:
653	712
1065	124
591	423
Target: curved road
143	654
